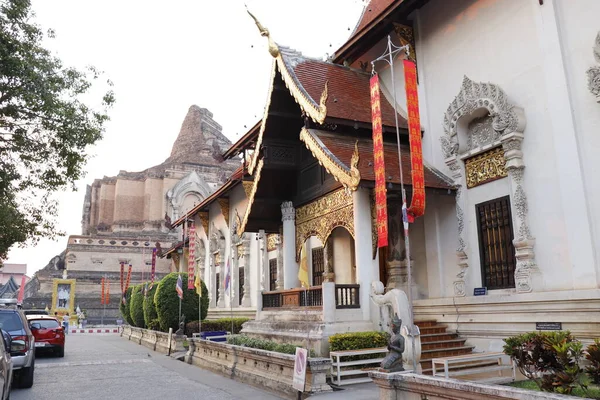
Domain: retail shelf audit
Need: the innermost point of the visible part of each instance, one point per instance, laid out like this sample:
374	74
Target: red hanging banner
127	284
102	290
122	272
191	256
417	204
153	270
107	293
379	165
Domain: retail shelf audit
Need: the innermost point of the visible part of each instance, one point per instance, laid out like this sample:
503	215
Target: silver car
22	345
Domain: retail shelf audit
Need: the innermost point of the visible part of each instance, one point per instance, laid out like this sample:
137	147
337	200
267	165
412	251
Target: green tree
136	310
45	127
167	302
125	308
149	307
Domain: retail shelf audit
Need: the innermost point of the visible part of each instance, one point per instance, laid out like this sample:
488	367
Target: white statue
394	302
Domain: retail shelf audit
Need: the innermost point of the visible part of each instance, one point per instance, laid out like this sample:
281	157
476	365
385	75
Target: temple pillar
279	282
219	265
290	266
264	261
328	275
362	247
245	258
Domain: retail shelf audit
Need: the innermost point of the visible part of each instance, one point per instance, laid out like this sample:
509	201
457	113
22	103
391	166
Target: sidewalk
364	391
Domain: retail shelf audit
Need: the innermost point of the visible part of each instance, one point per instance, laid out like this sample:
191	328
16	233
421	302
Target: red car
48	333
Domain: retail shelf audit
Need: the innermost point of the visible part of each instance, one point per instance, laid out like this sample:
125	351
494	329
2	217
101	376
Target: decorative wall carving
594	72
203	215
322	216
481	117
283	155
272	241
224	204
485	167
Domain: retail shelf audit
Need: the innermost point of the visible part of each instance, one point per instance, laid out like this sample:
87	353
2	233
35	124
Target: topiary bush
241	340
358	340
149	307
136	308
223	324
154	325
167	302
124	308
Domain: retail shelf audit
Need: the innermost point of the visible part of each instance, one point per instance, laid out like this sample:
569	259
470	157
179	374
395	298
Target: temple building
126	216
509	111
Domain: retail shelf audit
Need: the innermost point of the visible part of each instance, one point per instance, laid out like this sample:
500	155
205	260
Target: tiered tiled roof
370	13
340	149
348	90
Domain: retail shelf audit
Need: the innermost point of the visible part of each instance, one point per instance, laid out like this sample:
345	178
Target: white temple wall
579	26
344	266
419	258
498	42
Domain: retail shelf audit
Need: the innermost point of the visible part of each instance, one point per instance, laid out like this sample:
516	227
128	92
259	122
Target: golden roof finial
273	49
323	101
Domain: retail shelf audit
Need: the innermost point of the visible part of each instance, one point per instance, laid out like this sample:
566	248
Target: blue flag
179	287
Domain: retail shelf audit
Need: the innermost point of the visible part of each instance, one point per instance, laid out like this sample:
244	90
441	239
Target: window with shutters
272	274
240	285
496	250
318	266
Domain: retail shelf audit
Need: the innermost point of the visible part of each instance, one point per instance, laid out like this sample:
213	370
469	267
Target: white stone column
290	266
279	282
245	258
264	261
362	247
220	265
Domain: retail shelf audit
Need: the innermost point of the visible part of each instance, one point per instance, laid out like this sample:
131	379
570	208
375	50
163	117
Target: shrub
167	302
149	307
358	340
136	310
245	341
223	324
154	325
124	308
593	355
550	359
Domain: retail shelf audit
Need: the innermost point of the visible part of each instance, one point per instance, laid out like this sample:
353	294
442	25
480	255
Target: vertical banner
22	290
107	293
379	165
122	272
127	284
417	204
191	256
153	270
102	290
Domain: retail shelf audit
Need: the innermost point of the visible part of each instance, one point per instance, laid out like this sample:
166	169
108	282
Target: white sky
165	56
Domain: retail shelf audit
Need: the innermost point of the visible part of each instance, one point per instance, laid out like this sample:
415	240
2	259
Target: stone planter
265	369
409	386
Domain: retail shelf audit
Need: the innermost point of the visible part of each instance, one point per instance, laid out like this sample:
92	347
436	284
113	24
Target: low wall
265	369
157	341
409	386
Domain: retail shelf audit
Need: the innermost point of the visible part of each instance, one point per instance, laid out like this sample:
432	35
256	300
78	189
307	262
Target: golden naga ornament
485	167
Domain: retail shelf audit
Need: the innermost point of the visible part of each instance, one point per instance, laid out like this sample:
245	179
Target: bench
337	363
472	364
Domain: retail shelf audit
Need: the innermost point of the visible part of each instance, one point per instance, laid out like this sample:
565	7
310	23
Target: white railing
341	369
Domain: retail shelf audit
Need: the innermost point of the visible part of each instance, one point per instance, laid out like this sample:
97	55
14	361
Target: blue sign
480	291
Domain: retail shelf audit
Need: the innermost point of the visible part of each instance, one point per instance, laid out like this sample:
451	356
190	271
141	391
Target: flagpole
230	296
391	51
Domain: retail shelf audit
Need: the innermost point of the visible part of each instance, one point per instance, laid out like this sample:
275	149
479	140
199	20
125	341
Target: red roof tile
370	13
343	148
348	89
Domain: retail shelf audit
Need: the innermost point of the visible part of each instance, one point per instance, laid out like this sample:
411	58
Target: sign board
548	326
480	291
300	369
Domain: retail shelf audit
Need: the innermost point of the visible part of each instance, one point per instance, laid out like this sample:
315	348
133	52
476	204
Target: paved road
106	366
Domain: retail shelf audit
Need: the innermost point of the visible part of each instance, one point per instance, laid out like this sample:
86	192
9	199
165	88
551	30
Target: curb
95	330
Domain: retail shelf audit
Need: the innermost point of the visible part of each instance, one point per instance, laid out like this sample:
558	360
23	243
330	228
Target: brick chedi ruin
126	216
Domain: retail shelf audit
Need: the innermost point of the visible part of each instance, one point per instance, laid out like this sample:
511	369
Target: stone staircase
436	343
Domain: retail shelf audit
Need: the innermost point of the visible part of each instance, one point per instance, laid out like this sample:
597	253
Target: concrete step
425	323
427	330
443	344
434	337
465	366
448	352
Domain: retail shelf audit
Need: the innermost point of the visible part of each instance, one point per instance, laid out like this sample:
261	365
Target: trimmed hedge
241	340
124	308
358	340
153	325
149	307
223	324
136	310
167	302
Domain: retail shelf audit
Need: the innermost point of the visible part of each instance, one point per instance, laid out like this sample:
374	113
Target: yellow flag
198	284
303	270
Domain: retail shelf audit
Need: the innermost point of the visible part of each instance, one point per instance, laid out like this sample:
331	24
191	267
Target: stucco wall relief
481	118
594	72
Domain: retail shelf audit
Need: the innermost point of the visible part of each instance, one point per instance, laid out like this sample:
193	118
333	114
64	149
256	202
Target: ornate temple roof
9	289
338	151
347	93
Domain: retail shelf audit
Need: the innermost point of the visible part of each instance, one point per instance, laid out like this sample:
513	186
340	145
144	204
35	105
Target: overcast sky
165	56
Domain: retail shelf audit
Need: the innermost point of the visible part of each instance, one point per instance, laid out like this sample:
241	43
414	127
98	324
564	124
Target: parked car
35	312
6	367
22	344
48	333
